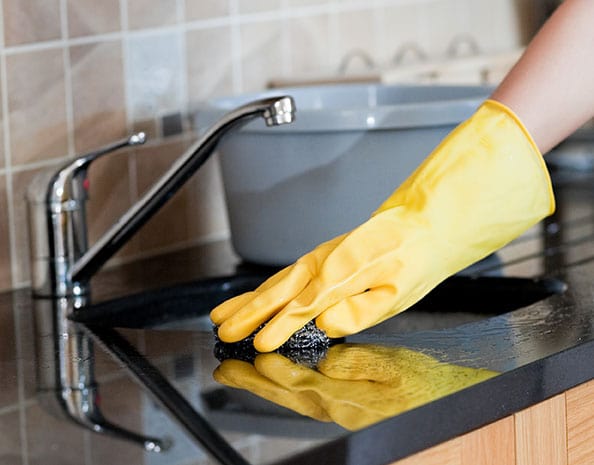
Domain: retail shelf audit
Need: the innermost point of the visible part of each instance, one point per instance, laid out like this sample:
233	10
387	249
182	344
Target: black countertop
514	330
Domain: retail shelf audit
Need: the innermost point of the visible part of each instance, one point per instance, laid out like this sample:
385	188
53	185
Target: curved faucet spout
275	111
70	269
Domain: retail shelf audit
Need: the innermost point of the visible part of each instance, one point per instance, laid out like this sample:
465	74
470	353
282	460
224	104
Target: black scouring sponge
307	346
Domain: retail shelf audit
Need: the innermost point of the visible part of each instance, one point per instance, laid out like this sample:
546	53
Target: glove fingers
283	325
311	302
292	376
241	316
228	308
357	312
233	372
351	404
258	310
243	375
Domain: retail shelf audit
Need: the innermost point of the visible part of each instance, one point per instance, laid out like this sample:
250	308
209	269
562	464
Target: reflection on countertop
512	359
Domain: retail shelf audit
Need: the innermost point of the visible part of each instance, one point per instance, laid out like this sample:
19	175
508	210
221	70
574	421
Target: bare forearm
551	87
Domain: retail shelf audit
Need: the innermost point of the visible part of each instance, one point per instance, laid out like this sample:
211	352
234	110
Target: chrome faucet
61	262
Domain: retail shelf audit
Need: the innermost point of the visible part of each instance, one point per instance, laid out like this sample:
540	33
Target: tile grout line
287	57
131	154
379	30
182	34
67	79
123	36
333	26
236	49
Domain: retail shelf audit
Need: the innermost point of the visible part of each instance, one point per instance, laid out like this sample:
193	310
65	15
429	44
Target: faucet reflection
66	385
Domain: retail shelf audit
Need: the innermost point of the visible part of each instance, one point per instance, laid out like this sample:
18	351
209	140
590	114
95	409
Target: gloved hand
484	185
355	385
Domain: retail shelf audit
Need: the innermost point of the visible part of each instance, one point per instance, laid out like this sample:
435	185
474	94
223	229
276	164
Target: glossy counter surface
483	348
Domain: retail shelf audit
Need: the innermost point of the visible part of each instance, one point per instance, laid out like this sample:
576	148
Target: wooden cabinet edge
557	431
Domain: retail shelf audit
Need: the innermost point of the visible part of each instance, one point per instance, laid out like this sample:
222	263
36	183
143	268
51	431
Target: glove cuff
493	128
497	106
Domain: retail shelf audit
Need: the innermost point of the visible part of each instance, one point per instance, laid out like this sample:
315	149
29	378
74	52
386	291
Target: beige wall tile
262	57
255	6
5	268
209	68
20	183
89	17
109	197
98	96
306	2
495	25
28	21
442	21
36	105
151	13
207	211
355	32
170	224
196	211
155	76
202	9
310	39
400	26
10	441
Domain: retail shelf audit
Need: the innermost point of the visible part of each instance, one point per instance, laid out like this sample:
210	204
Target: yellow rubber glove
355	385
483	186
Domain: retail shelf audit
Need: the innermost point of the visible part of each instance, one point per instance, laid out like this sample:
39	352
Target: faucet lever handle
75	172
84	161
78	168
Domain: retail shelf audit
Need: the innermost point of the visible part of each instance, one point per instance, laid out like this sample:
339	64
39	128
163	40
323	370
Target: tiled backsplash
76	74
